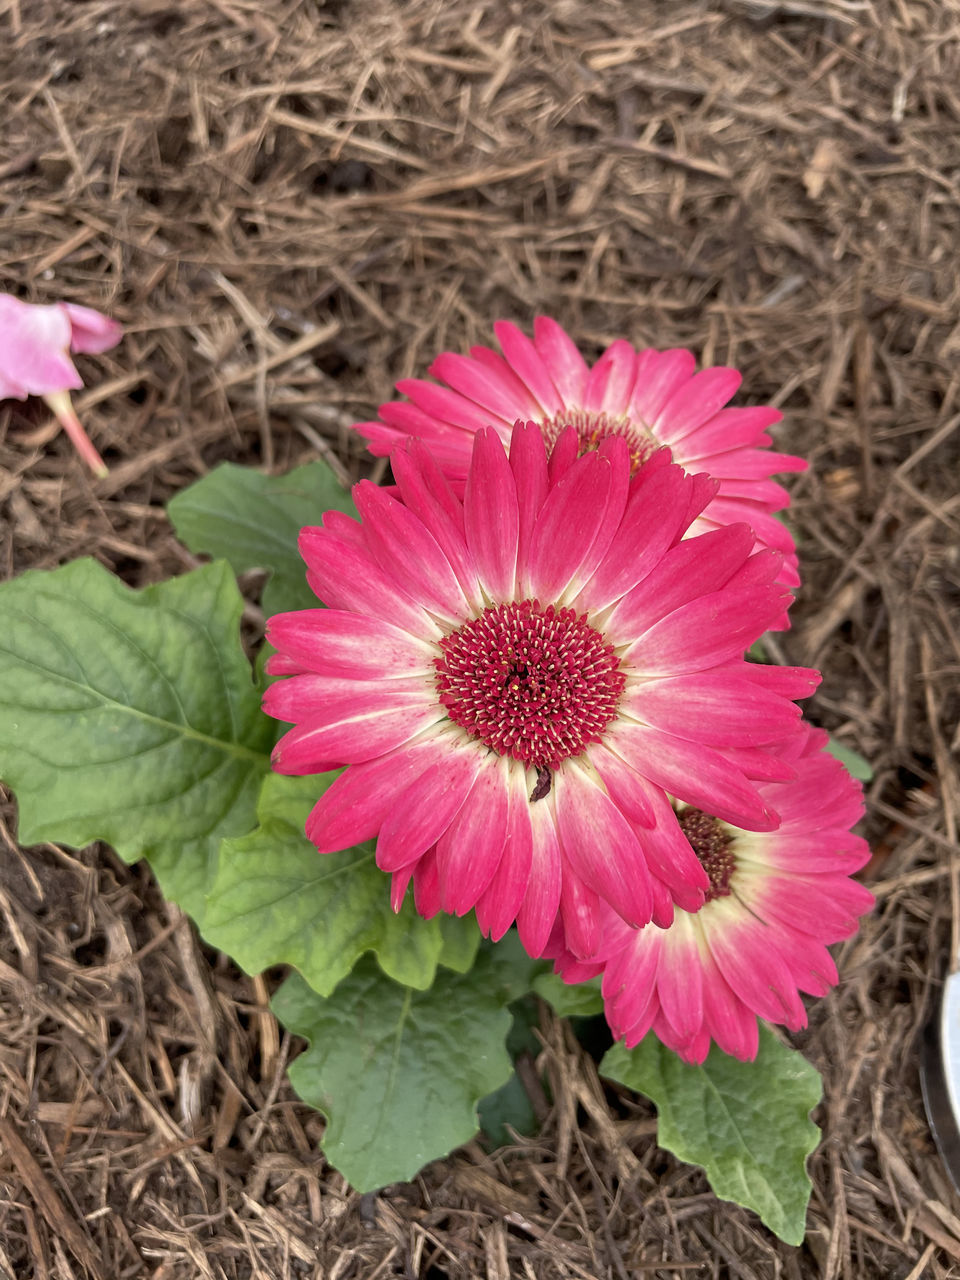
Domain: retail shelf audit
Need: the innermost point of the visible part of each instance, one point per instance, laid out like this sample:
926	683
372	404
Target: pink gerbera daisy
512	680
775	899
650	398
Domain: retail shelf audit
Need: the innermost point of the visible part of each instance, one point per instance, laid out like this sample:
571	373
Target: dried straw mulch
290	204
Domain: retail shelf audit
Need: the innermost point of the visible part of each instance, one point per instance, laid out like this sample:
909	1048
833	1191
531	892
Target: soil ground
290	204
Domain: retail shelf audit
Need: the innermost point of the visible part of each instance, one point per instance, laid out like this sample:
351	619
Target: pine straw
292	204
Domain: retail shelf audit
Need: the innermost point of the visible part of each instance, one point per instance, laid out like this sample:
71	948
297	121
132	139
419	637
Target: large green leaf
253	520
275	900
747	1123
397	1072
131	717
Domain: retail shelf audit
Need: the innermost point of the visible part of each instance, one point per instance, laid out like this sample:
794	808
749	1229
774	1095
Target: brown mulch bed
290	204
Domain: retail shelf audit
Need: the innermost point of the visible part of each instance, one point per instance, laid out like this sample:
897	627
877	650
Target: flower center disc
592	428
711	843
532	683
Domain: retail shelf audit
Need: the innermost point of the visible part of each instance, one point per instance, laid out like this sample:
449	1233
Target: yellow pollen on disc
593	428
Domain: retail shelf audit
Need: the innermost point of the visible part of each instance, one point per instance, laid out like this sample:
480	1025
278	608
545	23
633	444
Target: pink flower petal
696	402
694	774
91	332
353	808
658	375
499	903
426	493
448	406
580	912
346	577
314	747
541	902
468	853
497	395
713	629
492	516
424	810
680	979
34	346
567	526
611	380
525	360
601	846
349	644
722	707
560	355
407	552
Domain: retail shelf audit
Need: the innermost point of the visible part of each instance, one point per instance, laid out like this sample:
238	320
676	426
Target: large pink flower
514	678
35	346
775	899
650	398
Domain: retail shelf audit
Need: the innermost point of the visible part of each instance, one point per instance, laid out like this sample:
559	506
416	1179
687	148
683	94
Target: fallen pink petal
35	346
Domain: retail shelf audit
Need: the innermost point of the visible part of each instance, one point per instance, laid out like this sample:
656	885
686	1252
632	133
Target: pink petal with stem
559	353
541	902
59	402
34	346
406	551
469	851
492	516
349	644
526	361
425	809
601	846
694	774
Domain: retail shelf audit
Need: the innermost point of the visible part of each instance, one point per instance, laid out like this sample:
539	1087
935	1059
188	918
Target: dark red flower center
592	428
711	842
532	683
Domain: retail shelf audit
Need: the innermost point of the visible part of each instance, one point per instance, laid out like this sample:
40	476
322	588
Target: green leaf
275	900
253	521
577	1000
131	717
747	1123
852	760
397	1072
508	1105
